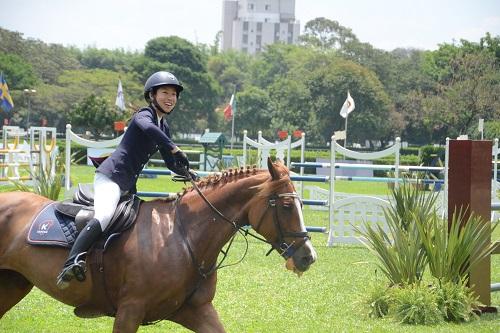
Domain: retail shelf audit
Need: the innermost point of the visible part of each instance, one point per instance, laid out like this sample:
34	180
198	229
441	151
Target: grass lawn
259	295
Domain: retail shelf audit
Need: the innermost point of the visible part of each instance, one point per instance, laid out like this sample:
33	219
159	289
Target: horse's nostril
307	260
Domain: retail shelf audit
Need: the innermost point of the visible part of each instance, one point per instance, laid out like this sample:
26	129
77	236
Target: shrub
417	305
456	301
452	250
45	182
379	301
401	255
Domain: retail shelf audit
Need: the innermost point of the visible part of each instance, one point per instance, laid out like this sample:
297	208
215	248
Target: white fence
72	137
29	150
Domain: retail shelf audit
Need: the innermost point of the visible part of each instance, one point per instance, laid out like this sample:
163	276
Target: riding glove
181	160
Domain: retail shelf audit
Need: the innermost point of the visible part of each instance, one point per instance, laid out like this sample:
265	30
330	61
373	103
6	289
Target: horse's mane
263	190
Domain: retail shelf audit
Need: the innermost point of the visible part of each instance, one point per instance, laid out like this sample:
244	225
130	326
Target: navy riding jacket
142	139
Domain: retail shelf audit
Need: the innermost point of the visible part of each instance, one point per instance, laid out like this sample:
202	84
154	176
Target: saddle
59	223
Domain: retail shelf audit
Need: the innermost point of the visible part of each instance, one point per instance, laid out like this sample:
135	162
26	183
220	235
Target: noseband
286	250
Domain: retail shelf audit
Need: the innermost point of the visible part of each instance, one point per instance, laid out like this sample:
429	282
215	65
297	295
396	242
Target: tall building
249	25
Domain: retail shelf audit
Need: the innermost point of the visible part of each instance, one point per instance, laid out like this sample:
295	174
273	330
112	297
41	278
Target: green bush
417	305
456	301
423	304
418	237
453	249
44	182
428	155
379	301
401	255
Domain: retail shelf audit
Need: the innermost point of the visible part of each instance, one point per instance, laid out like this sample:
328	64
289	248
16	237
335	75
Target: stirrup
78	268
74	270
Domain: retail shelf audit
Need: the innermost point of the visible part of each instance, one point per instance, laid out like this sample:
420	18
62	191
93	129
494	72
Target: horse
164	267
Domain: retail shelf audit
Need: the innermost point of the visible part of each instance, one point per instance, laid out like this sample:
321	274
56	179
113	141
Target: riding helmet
161	78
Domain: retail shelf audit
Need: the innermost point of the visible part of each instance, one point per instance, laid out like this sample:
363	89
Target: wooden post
469	181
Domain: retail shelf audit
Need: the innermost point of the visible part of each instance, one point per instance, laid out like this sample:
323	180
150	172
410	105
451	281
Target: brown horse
164	266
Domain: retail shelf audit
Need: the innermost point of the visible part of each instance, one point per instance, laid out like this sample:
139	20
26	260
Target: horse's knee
202	318
128	318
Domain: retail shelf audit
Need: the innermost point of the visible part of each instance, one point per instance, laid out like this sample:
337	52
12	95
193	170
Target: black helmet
161	79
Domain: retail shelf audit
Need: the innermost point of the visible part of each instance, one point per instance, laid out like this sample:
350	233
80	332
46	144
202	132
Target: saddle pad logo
44	227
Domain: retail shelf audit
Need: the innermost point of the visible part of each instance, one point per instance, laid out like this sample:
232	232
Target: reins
241	229
233	223
284	249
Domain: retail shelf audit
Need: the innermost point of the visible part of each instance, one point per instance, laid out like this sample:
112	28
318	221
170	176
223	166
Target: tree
329	86
94	114
177	51
18	73
470	92
325	34
231	69
253	110
115	60
196	106
467	86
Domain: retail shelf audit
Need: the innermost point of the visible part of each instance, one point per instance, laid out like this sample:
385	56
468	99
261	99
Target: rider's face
166	97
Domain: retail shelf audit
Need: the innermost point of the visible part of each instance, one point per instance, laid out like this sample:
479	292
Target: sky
129	24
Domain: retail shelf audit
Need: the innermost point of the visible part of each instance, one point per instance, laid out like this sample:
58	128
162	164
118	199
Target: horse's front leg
128	317
201	319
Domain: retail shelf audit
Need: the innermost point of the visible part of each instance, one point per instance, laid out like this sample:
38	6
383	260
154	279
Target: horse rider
117	175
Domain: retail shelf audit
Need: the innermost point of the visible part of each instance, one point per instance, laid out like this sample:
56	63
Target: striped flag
228	111
6	102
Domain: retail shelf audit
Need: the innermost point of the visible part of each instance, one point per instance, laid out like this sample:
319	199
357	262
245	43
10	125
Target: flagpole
232	133
345	138
232	120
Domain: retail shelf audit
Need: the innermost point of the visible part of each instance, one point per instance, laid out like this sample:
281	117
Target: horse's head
277	215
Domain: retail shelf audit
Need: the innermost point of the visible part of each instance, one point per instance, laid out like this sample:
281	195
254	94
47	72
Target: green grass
259	295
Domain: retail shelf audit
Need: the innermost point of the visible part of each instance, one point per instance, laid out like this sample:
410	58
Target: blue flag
6	102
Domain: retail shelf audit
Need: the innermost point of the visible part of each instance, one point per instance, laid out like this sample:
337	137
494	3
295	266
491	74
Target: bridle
281	246
286	250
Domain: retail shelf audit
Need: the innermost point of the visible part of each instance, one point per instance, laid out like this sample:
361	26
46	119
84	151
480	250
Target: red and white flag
348	106
228	111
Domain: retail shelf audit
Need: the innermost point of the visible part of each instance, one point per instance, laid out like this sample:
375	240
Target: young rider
147	133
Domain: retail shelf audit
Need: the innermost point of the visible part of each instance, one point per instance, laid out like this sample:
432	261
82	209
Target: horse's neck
207	231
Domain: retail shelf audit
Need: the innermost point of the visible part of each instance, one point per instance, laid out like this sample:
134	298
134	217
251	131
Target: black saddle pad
55	224
52	228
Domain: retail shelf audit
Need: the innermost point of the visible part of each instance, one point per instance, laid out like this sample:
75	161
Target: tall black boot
74	267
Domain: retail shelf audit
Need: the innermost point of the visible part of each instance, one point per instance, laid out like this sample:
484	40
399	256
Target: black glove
181	161
181	171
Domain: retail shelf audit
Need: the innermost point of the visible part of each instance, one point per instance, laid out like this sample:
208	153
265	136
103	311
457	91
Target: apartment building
249	25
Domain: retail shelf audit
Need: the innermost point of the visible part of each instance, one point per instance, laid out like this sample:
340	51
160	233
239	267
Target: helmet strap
157	106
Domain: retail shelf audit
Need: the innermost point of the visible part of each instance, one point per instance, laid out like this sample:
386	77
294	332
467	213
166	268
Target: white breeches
106	196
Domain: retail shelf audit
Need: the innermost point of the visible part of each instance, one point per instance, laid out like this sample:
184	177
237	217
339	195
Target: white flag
348	106
120	100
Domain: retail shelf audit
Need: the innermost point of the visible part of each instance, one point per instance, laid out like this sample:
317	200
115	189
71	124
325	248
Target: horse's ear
272	169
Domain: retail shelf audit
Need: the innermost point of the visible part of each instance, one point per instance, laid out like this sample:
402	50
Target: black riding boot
74	267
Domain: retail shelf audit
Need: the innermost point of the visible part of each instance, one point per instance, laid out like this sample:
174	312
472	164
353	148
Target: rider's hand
181	160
